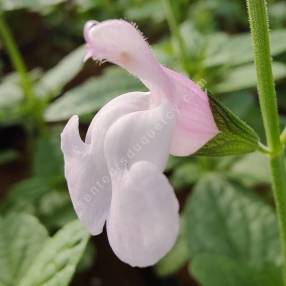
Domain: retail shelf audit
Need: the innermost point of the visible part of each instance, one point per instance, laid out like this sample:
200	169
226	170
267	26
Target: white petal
86	171
143	222
143	135
114	109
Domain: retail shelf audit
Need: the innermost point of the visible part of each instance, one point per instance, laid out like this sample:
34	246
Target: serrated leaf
235	136
226	219
92	95
57	261
22	237
218	270
56	78
244	77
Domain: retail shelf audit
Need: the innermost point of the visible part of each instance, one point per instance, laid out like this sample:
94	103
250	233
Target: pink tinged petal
195	125
86	171
121	43
143	222
143	136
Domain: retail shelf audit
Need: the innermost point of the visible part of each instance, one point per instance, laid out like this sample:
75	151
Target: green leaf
235	136
146	11
237	50
277	14
25	195
55	209
212	270
244	77
11	97
56	263
251	170
22	237
55	79
226	219
10	93
92	95
186	174
48	161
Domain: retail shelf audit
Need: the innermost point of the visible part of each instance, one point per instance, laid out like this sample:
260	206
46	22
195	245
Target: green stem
16	58
33	107
180	47
263	149
283	136
258	20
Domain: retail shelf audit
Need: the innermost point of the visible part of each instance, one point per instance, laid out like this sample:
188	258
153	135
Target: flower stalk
258	19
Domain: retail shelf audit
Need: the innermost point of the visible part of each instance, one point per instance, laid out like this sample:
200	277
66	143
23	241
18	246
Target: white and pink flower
116	175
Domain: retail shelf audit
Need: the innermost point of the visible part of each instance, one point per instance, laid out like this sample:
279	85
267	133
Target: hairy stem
258	19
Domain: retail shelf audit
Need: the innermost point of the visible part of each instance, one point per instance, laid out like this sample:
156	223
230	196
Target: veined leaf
217	270
226	219
22	237
56	262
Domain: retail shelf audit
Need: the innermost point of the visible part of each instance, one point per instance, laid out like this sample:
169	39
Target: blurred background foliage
228	229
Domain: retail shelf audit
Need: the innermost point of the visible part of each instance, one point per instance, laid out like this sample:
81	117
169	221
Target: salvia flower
116	175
